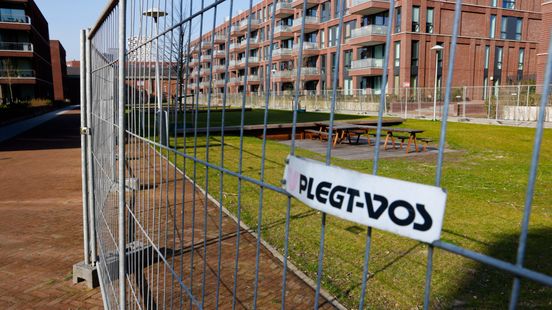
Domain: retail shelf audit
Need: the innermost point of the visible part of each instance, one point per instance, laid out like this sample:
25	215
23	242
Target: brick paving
41	232
41	218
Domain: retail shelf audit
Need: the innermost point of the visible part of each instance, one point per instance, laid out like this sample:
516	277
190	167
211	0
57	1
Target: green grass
486	181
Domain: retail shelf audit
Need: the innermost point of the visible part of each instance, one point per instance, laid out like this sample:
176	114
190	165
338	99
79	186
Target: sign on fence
408	209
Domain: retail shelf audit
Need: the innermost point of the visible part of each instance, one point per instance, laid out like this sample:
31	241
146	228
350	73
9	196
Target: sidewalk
41	220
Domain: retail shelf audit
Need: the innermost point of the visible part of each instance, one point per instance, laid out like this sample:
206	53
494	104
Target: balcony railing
282	28
308	20
282	52
251	60
241	79
359	2
283	5
254	22
219	53
16	46
307	71
307	46
251	41
368	31
19	19
17	74
282	74
368	63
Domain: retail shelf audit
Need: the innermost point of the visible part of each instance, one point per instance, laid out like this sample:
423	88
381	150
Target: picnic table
342	131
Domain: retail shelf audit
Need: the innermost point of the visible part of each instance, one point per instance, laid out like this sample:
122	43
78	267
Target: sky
67	17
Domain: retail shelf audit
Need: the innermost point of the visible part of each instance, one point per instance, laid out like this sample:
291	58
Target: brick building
59	70
498	45
25	68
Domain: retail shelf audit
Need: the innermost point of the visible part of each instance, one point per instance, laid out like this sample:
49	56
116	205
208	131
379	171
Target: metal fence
175	216
517	103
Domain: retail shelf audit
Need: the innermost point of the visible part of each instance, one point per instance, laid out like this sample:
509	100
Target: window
398	21
325	12
498	56
493	27
493	3
333	64
521	58
415	53
322	38
429	22
487	56
332	40
509	4
336	9
348	59
511	28
397	55
349	27
415	19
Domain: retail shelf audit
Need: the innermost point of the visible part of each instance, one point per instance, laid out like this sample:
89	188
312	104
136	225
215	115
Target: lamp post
437	49
163	118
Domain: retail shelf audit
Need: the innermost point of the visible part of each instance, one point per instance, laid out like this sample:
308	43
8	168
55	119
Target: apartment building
498	45
25	62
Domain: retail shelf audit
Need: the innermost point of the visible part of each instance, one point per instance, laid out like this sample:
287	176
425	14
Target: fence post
84	165
89	147
516	111
406	103
464	102
121	157
497	96
527	112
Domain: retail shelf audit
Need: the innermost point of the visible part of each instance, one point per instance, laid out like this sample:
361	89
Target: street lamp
437	49
156	13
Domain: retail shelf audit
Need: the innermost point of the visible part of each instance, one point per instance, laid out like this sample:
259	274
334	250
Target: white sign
408	209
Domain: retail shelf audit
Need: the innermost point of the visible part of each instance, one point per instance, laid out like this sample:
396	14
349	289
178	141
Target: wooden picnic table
412	139
344	130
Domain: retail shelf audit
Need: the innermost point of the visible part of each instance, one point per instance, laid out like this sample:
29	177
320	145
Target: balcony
206	58
253	44
194	62
15	19
253	61
368	7
309	48
220	39
283	9
255	24
298	4
366	67
281	75
251	79
16	46
17	74
283	32
282	54
219	83
219	54
206	44
307	73
234	46
219	68
368	35
312	23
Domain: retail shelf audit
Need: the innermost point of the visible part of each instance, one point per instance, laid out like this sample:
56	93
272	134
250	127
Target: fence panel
187	211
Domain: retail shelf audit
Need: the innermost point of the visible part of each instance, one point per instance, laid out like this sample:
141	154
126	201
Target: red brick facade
516	36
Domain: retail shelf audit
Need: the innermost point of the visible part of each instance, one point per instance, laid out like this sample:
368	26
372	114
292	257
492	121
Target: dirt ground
41	218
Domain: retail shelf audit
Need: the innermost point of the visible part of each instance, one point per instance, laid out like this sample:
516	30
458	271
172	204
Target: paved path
41	220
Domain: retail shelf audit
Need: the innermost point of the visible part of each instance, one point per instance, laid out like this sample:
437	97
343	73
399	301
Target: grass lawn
486	182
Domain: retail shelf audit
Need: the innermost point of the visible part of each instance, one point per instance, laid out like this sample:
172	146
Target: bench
425	141
312	133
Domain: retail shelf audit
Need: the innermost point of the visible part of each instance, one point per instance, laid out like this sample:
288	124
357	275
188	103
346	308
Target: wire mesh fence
186	210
